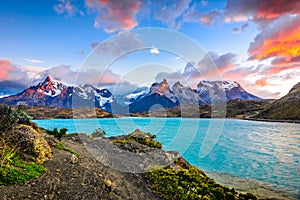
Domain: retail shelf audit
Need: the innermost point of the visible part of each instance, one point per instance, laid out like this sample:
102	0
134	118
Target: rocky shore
78	166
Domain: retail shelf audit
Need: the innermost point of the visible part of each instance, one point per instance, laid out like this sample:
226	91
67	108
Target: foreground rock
86	178
87	173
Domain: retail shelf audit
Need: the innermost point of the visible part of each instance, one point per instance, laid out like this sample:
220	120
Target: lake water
268	152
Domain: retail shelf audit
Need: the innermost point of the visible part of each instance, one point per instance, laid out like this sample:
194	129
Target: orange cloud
261	82
280	42
5	69
285	44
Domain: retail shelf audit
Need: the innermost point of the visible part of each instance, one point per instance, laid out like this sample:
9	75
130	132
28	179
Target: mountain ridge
55	93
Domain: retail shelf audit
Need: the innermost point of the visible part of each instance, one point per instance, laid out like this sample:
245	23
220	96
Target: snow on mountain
51	92
216	89
51	87
163	88
103	97
159	94
135	95
186	94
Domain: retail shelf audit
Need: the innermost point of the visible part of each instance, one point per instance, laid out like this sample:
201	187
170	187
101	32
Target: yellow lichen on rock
32	142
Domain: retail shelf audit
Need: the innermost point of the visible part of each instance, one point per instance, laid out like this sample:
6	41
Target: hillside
285	108
237	108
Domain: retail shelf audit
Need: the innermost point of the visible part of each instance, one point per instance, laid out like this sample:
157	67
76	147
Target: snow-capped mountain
159	94
222	90
51	92
135	95
186	95
55	93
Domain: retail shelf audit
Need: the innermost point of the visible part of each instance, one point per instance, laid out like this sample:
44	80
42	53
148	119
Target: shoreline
274	120
258	188
118	116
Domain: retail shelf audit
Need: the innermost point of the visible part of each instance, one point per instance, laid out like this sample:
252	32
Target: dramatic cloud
114	15
280	41
170	11
35	61
24	75
66	7
5	69
213	66
260	11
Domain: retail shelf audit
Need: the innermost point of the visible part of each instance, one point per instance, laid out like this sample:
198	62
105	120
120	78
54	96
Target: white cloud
35	61
154	50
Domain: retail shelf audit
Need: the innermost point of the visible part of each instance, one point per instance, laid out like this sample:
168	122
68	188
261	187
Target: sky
133	43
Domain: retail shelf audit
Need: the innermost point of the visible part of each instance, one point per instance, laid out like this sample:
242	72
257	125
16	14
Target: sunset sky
254	42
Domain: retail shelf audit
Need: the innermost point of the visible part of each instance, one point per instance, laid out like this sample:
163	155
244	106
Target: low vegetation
58	134
139	137
98	132
22	147
61	146
13	168
187	182
145	138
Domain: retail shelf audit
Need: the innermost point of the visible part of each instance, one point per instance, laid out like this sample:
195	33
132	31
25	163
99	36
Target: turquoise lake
268	152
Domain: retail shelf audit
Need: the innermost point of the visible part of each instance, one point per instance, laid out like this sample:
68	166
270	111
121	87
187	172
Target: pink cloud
5	69
261	82
260	11
114	15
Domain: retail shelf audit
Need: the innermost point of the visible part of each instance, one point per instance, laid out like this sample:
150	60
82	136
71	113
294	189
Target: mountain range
54	93
51	92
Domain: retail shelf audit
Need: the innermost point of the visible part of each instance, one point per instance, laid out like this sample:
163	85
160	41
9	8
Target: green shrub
22	116
58	134
98	132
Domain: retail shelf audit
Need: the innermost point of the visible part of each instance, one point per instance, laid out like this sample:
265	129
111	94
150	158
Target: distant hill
285	108
237	108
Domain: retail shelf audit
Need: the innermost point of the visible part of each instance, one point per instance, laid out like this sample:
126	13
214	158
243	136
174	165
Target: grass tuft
61	146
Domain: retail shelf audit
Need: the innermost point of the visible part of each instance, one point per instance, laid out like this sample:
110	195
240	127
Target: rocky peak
177	85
